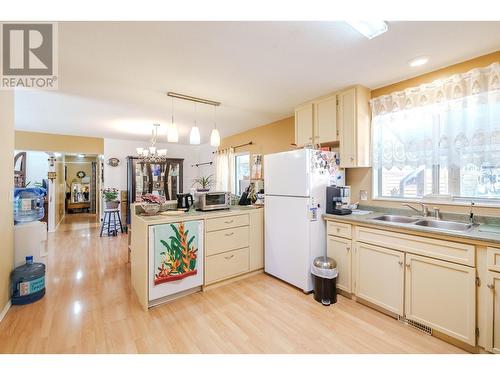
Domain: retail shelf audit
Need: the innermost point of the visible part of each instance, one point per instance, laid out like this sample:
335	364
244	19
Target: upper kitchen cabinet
354	127
325	120
304	118
342	117
316	121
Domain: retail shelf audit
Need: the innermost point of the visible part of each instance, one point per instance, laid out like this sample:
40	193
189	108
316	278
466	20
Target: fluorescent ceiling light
418	61
370	29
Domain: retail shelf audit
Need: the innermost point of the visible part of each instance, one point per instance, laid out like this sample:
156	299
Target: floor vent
421	327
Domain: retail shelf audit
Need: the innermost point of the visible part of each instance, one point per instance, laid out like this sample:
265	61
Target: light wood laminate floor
90	308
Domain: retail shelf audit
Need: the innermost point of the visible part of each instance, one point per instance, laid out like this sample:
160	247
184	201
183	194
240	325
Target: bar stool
112	220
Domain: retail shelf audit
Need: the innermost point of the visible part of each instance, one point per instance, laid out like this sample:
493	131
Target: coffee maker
338	200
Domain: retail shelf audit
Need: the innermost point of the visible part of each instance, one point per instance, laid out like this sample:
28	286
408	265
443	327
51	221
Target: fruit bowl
150	209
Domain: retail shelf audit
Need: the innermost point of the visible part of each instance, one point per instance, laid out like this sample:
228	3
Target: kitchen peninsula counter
233	246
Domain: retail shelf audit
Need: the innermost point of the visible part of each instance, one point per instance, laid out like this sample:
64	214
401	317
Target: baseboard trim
5	310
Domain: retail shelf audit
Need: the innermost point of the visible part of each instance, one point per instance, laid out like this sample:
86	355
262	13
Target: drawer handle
229	257
408	265
228	234
400	262
348	248
228	221
491	286
338	230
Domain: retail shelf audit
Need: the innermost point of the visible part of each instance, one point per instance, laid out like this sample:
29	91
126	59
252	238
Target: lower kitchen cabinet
380	276
340	250
494	311
441	295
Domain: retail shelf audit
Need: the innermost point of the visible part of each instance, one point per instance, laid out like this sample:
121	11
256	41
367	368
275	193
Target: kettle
183	201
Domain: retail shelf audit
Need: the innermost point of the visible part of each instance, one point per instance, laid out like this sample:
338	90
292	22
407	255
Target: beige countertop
471	235
194	215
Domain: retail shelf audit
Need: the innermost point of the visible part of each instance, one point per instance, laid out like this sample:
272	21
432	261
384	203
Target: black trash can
324	271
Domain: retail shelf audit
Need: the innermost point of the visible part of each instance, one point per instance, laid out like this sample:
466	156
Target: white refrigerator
295	199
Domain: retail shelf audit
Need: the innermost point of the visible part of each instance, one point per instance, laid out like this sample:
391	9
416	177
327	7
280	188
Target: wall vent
421	327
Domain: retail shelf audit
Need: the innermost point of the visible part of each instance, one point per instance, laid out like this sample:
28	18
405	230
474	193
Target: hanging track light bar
192	98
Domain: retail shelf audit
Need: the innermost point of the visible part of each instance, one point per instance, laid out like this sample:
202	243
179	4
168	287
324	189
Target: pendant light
194	136
215	136
172	132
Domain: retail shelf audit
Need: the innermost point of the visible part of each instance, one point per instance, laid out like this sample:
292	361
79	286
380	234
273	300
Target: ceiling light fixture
418	61
370	29
215	136
172	132
194	136
152	154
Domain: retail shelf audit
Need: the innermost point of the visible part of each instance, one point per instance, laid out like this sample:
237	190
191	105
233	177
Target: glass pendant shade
173	134
139	150
215	138
194	136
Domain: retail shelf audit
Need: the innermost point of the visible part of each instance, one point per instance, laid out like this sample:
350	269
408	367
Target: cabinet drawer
226	222
430	247
228	239
493	255
339	229
221	266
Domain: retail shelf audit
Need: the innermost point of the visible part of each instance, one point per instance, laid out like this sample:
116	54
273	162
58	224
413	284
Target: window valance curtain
449	122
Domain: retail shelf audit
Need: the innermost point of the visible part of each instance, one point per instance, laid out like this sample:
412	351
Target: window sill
463	203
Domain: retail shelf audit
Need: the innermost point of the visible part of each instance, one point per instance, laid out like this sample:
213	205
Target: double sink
454	226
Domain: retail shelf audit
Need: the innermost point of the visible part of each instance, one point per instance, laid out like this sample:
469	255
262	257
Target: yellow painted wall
6	191
60	191
267	139
361	178
58	143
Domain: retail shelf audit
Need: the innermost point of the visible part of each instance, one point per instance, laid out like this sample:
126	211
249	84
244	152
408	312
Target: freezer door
287	173
287	238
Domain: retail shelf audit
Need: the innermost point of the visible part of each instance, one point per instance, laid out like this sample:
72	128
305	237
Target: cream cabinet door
380	276
325	120
304	124
494	311
347	127
340	250
441	295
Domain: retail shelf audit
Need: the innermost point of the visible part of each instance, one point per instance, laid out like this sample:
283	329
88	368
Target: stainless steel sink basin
445	225
397	219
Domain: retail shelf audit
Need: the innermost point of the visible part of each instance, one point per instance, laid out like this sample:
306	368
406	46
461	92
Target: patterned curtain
449	122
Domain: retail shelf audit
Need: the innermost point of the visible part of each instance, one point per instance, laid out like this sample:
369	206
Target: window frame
235	177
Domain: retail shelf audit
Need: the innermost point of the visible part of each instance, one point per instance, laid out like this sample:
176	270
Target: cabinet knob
491	286
400	262
408	265
338	230
348	248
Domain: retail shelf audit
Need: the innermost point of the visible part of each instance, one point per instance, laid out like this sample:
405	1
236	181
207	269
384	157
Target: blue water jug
28	204
28	282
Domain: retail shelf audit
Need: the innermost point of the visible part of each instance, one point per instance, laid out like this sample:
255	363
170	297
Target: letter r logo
27	49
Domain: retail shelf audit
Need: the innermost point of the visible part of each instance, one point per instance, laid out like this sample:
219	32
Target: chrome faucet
424	212
471	214
437	214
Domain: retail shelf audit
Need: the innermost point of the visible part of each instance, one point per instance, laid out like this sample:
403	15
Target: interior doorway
81	184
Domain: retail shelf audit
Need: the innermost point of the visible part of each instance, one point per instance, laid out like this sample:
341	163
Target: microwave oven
213	200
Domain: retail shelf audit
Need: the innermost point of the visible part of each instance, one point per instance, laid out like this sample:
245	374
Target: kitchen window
241	172
439	140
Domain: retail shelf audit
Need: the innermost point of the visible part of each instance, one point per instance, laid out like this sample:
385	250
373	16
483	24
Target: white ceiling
113	75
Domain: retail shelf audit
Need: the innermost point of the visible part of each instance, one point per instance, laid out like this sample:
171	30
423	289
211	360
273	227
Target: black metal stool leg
120	221
103	224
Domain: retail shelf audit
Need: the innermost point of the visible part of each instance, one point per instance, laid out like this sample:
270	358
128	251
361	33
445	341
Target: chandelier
152	154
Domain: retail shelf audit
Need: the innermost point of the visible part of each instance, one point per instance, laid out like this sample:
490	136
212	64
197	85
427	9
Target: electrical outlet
363	195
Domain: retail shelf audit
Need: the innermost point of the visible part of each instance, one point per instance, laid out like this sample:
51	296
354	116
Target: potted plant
204	183
111	198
